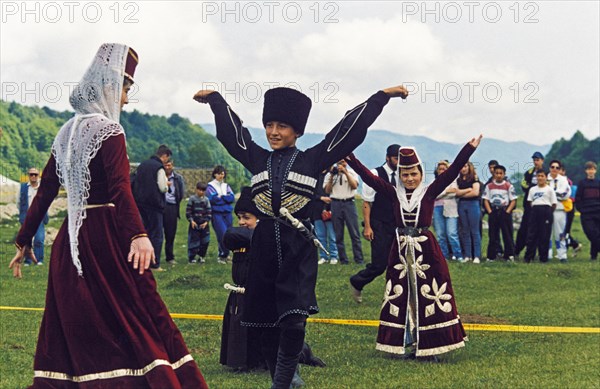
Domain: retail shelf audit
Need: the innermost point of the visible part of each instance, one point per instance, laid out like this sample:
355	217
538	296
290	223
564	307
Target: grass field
521	294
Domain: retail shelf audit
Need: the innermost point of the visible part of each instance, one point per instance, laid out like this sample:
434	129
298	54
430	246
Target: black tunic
240	346
283	272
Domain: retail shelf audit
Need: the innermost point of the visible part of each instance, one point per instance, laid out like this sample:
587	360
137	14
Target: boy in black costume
280	293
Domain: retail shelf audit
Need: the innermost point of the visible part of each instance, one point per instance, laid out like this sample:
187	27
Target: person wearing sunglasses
28	191
562	189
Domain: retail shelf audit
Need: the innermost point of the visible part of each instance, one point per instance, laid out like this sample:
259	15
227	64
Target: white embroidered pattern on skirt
105	375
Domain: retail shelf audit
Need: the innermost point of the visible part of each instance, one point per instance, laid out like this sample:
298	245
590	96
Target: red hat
408	158
131	63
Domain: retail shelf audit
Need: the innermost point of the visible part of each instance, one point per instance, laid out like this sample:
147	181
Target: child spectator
588	204
198	213
499	200
542	200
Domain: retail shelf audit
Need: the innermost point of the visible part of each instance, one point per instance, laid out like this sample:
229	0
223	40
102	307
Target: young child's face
200	192
498	175
280	135
541	179
590	173
246	219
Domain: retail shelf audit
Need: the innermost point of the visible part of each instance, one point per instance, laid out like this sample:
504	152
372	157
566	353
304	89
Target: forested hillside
574	153
28	133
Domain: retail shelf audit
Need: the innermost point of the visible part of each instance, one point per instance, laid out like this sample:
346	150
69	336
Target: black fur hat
245	203
288	106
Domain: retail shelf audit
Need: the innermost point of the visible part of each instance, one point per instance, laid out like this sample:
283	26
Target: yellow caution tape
375	323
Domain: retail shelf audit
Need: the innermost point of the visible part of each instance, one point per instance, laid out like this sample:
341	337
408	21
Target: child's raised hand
475	141
201	95
397	91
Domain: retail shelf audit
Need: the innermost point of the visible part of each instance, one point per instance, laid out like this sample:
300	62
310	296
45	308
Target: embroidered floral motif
421	267
438	294
388	297
412	242
402	267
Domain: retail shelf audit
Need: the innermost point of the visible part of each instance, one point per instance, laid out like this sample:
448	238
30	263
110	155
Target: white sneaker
467	259
333	261
511	258
322	261
476	260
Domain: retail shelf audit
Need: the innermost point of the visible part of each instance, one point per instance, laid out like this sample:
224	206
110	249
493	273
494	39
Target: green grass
499	293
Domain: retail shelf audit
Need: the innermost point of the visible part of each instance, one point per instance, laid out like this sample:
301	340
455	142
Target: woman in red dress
104	324
418	316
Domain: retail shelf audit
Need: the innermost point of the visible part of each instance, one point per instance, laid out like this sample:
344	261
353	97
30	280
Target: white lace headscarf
417	194
97	103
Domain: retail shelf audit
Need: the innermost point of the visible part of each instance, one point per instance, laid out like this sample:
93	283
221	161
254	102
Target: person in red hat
104	324
418	317
280	290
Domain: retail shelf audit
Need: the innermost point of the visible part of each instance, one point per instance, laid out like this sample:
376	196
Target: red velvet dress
419	278
109	328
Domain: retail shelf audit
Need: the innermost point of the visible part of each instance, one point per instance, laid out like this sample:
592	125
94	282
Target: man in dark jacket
149	188
173	197
379	224
26	195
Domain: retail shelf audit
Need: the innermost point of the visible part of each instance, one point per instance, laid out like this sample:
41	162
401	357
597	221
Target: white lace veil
97	103
417	194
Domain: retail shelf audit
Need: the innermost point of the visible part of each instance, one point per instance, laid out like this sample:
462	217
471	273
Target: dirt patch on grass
187	282
479	319
564	273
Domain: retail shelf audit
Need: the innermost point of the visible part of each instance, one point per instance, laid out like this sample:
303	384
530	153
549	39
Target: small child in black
198	213
543	203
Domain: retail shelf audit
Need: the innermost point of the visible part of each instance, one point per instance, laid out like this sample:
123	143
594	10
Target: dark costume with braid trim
282	278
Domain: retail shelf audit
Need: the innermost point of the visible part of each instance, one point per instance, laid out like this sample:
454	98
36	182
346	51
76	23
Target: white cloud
371	45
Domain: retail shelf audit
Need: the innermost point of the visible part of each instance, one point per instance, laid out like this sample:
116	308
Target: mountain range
515	156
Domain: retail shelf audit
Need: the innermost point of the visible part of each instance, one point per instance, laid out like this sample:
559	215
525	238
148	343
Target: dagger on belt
302	228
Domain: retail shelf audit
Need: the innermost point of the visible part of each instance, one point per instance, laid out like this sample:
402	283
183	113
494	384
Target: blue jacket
221	204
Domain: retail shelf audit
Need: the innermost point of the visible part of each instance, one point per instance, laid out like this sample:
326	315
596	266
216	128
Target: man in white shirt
340	184
379	224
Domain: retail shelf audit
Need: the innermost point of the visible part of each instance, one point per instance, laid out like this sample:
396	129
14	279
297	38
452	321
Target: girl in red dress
104	324
418	316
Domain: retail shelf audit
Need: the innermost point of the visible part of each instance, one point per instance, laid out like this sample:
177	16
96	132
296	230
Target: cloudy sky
511	70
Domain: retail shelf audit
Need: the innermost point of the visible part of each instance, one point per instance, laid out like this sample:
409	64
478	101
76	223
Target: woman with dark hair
469	212
445	217
104	324
221	198
418	317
